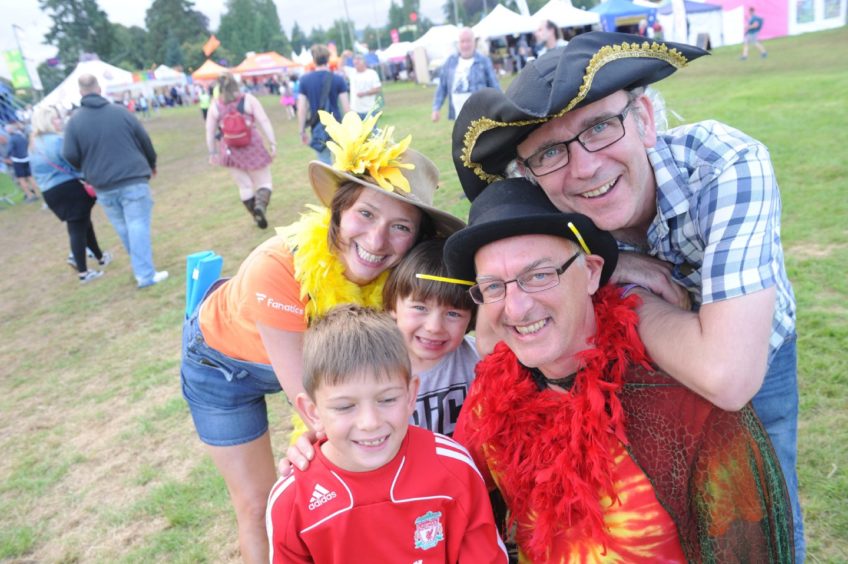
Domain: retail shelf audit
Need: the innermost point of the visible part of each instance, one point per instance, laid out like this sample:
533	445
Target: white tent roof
110	78
563	14
395	51
163	72
503	21
303	59
164	76
438	42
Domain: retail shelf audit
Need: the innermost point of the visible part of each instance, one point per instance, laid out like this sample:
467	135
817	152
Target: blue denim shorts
226	396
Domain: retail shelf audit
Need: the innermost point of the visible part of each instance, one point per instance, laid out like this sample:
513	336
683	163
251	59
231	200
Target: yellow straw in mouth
579	238
444	279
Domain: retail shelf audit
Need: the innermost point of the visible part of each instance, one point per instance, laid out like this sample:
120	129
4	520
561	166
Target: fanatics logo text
273	304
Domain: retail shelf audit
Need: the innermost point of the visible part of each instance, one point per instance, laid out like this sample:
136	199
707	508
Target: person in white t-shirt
365	86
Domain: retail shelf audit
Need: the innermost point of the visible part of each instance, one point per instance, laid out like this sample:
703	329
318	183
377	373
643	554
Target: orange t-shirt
263	290
640	529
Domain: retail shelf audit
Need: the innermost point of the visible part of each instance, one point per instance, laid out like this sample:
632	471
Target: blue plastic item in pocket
202	269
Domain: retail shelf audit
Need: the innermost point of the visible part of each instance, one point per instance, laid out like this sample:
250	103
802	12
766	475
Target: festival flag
17	69
211	45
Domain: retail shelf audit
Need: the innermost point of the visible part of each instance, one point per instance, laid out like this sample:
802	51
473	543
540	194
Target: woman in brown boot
234	142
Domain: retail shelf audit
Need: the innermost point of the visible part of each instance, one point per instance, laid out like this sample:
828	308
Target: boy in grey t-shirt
434	316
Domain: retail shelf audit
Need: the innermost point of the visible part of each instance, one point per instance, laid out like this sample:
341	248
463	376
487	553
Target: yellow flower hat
373	160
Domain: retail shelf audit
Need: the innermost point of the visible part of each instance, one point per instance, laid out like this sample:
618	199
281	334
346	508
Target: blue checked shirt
718	218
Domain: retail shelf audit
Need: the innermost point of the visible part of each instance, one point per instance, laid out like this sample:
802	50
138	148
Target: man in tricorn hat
598	455
698	207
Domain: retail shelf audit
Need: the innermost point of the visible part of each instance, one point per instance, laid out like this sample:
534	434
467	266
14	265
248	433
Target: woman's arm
285	350
211	126
261	118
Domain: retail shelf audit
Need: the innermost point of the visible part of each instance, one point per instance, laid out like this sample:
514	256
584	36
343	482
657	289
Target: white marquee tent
700	18
395	52
502	21
111	79
439	42
166	75
563	14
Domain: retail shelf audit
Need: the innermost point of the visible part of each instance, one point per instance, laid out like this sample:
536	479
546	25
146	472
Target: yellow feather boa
320	272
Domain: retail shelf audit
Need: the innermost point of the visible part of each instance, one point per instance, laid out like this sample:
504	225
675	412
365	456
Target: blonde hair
229	88
351	341
41	122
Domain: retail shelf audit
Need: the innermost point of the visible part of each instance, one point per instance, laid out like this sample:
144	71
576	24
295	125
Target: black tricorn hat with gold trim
592	66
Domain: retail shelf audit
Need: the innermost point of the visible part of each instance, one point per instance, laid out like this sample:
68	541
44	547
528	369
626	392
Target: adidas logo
260	297
320	496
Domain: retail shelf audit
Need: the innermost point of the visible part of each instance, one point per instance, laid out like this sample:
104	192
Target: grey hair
515	170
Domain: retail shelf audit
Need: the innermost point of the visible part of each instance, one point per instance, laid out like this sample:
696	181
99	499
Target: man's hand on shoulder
653	274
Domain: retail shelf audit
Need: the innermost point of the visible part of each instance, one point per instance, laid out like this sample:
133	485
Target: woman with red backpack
234	142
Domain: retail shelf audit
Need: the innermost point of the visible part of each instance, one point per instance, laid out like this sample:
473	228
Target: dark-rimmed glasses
594	138
536	280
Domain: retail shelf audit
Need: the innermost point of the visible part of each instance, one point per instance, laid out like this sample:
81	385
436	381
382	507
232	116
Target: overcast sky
34	24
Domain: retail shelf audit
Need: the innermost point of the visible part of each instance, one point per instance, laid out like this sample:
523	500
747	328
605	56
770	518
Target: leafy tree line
174	34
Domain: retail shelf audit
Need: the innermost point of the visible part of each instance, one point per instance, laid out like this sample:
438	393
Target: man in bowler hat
697	209
597	454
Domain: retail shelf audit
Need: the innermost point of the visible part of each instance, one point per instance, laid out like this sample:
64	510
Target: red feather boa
551	452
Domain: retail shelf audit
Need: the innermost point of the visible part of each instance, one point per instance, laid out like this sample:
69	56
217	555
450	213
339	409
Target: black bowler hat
592	66
516	206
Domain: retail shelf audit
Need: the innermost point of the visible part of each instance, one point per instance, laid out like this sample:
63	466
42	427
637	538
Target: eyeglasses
594	138
532	281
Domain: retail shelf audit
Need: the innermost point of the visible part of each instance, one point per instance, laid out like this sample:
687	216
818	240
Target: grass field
100	462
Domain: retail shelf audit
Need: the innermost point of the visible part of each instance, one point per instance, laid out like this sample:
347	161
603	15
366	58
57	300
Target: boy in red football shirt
377	490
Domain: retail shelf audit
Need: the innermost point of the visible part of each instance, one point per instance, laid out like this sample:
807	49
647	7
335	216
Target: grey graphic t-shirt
443	389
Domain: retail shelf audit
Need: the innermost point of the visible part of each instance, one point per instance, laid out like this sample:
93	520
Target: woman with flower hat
244	340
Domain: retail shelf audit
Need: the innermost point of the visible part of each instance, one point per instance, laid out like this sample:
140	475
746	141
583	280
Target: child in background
378	489
18	157
287	97
433	316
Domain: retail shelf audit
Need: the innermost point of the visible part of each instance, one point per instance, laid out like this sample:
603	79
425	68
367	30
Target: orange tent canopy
263	63
210	70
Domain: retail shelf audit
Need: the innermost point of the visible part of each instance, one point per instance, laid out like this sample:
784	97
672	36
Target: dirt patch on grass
806	250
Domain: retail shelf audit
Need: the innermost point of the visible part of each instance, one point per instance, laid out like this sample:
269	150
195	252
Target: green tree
451	12
51	77
317	35
79	26
340	35
131	51
586	4
176	18
173	52
376	38
396	16
252	25
298	38
272	37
